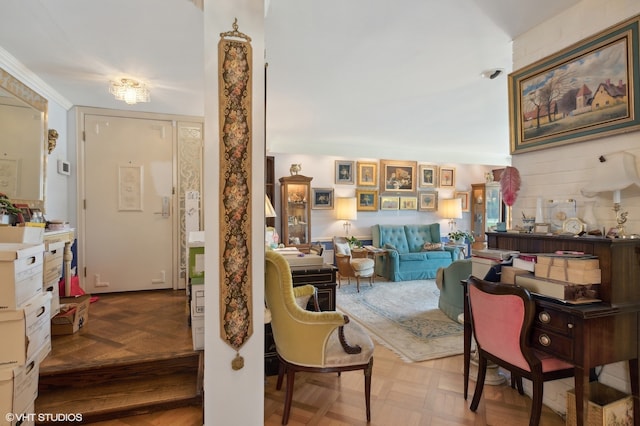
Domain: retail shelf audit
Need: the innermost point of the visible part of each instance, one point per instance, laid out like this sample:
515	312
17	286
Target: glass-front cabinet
296	211
487	209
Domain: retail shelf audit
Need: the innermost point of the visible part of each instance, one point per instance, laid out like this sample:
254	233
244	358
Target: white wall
324	225
560	173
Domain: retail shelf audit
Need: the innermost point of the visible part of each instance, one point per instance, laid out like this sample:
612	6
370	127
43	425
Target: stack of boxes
196	287
25	326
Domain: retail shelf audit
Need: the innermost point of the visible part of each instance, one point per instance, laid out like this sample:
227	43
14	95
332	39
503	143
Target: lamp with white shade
347	210
452	210
614	172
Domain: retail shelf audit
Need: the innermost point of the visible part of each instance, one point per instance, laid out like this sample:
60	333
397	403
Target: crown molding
27	77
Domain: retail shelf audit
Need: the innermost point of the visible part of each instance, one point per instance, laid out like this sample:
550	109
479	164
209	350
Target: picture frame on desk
541	228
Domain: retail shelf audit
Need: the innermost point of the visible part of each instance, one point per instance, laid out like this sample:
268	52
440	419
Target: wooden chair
311	341
502	318
350	267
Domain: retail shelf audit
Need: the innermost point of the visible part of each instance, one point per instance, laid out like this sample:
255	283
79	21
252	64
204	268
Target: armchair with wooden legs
320	342
350	267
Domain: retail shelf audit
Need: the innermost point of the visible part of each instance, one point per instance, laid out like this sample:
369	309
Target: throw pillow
343	248
432	247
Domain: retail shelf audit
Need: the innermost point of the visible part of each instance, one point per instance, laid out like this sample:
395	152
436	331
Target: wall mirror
23	142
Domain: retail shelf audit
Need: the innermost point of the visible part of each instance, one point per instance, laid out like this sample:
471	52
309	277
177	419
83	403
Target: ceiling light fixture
491	74
130	91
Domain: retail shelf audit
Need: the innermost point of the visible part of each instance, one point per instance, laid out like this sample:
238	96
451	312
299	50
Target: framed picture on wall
367	200
389	203
398	176
447	177
322	198
465	199
408	203
367	174
428	176
428	201
344	172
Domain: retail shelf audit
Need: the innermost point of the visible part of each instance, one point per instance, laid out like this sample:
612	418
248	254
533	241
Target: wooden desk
590	335
68	237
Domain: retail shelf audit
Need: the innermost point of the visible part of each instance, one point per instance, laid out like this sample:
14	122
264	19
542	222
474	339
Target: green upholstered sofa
448	279
407	258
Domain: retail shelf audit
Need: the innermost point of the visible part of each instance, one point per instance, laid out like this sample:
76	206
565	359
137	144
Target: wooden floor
426	393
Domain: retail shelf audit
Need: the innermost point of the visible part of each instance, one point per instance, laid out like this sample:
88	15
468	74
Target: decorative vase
539	213
589	216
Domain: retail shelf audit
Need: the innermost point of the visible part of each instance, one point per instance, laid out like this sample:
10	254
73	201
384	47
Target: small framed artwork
322	198
398	176
541	228
465	199
344	172
428	201
367	200
408	203
367	174
428	176
447	177
389	203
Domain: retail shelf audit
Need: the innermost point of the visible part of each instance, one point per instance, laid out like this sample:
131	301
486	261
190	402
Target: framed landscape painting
367	174
322	198
367	200
582	92
408	203
428	201
398	176
389	203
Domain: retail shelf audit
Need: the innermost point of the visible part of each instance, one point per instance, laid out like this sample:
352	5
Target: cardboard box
74	314
197	332
54	288
560	290
584	276
19	387
606	406
20	273
21	234
584	264
53	257
197	301
480	266
25	331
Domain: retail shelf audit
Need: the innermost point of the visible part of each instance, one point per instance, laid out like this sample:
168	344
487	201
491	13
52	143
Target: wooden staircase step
128	387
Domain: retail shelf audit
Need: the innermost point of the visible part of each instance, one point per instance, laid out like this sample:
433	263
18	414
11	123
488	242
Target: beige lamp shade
451	208
346	208
613	172
269	211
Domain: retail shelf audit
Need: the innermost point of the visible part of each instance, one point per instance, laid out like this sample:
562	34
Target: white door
129	226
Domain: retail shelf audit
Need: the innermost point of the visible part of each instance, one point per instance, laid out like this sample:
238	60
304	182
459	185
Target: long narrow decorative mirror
23	142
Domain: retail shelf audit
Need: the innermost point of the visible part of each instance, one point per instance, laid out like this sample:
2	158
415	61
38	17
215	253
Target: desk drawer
315	277
553	320
552	343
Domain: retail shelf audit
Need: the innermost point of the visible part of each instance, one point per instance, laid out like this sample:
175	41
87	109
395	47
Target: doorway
128	204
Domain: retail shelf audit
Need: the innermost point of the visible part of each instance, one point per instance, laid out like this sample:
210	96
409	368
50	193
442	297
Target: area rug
404	317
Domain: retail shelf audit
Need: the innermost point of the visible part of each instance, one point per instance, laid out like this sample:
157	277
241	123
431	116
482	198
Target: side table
462	248
375	253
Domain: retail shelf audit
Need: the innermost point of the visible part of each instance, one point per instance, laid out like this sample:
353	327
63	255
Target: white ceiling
364	78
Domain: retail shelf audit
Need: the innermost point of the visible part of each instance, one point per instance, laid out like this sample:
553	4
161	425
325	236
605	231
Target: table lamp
452	210
346	209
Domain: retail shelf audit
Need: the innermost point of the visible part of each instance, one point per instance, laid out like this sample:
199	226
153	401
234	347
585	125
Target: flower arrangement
7	207
459	235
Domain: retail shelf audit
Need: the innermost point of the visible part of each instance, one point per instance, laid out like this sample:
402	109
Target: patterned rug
404	317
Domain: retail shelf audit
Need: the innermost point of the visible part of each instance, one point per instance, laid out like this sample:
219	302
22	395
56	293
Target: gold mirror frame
24	93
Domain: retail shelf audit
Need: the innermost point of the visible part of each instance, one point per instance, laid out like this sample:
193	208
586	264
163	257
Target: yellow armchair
311	341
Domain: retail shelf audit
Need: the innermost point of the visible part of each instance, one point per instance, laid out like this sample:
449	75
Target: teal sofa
407	258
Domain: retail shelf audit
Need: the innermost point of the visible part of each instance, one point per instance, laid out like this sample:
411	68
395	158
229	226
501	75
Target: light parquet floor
428	393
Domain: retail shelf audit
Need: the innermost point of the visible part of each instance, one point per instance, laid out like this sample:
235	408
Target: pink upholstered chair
502	317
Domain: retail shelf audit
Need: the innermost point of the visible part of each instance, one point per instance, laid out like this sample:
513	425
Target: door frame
81	113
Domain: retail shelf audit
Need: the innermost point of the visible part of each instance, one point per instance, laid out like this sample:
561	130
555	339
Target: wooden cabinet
487	209
295	212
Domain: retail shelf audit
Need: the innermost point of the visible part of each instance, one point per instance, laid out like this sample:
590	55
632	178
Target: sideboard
585	335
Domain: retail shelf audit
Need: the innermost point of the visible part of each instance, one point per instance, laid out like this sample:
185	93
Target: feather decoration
510	185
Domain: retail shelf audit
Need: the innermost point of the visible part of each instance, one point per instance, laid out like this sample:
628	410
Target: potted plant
354	242
7	209
460	236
